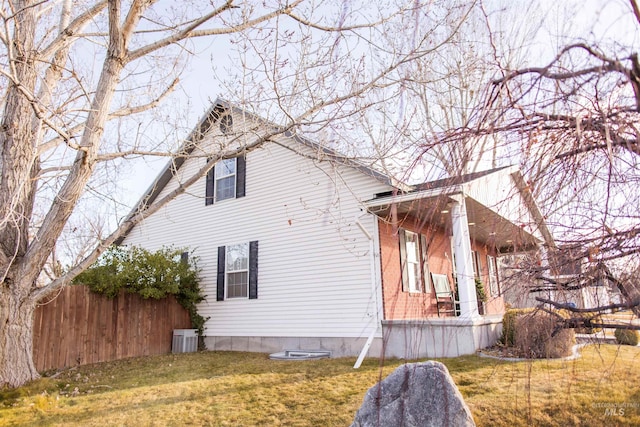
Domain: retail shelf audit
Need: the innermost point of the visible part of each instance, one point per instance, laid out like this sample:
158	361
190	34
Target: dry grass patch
230	389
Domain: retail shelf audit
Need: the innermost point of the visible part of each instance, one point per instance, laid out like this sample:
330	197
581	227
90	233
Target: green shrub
538	338
149	274
509	325
626	336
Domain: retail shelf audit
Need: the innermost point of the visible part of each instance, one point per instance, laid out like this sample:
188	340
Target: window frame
222	280
239	181
413	265
217	179
419	266
228	271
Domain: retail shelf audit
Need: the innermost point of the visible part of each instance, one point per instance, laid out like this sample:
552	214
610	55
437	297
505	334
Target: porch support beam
464	263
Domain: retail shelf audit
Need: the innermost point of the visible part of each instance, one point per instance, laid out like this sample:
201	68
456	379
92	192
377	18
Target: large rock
415	394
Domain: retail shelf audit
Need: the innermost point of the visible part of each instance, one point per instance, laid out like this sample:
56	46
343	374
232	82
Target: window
413	260
494	283
237	271
226	180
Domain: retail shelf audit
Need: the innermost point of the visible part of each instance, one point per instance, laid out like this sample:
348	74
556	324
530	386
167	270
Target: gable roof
219	108
441	186
456	180
431	199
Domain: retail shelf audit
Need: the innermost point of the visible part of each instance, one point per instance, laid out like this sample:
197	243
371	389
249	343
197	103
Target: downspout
374	284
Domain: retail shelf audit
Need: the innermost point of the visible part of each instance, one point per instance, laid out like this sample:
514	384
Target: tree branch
144	211
636	10
617	307
189	31
71	30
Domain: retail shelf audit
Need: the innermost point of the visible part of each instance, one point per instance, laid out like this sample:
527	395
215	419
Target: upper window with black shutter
226	180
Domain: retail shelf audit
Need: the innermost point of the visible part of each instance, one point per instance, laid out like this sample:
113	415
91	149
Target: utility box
184	341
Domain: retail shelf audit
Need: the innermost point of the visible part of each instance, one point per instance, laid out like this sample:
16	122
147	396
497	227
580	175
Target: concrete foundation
404	339
439	337
339	346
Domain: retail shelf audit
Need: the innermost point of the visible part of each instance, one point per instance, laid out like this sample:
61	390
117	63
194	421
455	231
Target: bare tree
70	69
575	121
445	89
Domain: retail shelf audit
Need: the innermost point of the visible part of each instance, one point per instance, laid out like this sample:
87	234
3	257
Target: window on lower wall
413	260
237	270
237	275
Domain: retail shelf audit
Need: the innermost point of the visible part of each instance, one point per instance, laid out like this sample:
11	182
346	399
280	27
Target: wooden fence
80	327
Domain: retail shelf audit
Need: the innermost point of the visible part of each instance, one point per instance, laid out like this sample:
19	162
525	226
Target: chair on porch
445	297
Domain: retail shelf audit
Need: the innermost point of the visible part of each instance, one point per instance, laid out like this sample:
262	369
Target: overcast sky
588	20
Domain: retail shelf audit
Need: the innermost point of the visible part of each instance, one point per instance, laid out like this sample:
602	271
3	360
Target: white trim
227	271
365	349
410	197
217	178
377	273
376	284
413	265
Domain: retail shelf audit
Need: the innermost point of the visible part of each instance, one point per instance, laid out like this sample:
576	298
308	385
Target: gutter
411	197
374	285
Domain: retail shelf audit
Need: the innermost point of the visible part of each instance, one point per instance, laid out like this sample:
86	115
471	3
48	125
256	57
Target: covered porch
452	230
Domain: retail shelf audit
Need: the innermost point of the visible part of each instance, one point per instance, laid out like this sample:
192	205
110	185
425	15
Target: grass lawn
246	389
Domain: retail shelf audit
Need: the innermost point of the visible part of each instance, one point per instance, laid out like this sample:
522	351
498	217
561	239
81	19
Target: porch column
464	263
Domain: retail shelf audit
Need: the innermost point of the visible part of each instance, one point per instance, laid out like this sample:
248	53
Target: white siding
314	274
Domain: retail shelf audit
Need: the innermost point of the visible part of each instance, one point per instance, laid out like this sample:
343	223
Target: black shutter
209	192
424	257
241	169
404	267
253	270
220	275
184	257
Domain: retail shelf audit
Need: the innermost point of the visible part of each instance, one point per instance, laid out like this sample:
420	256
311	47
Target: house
569	275
301	248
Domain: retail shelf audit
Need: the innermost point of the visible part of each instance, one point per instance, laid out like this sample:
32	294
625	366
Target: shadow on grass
212	384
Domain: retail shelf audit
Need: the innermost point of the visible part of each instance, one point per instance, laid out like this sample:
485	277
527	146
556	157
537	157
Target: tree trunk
16	338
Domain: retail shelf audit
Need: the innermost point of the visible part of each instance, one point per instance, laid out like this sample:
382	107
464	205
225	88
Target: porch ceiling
485	225
488	227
